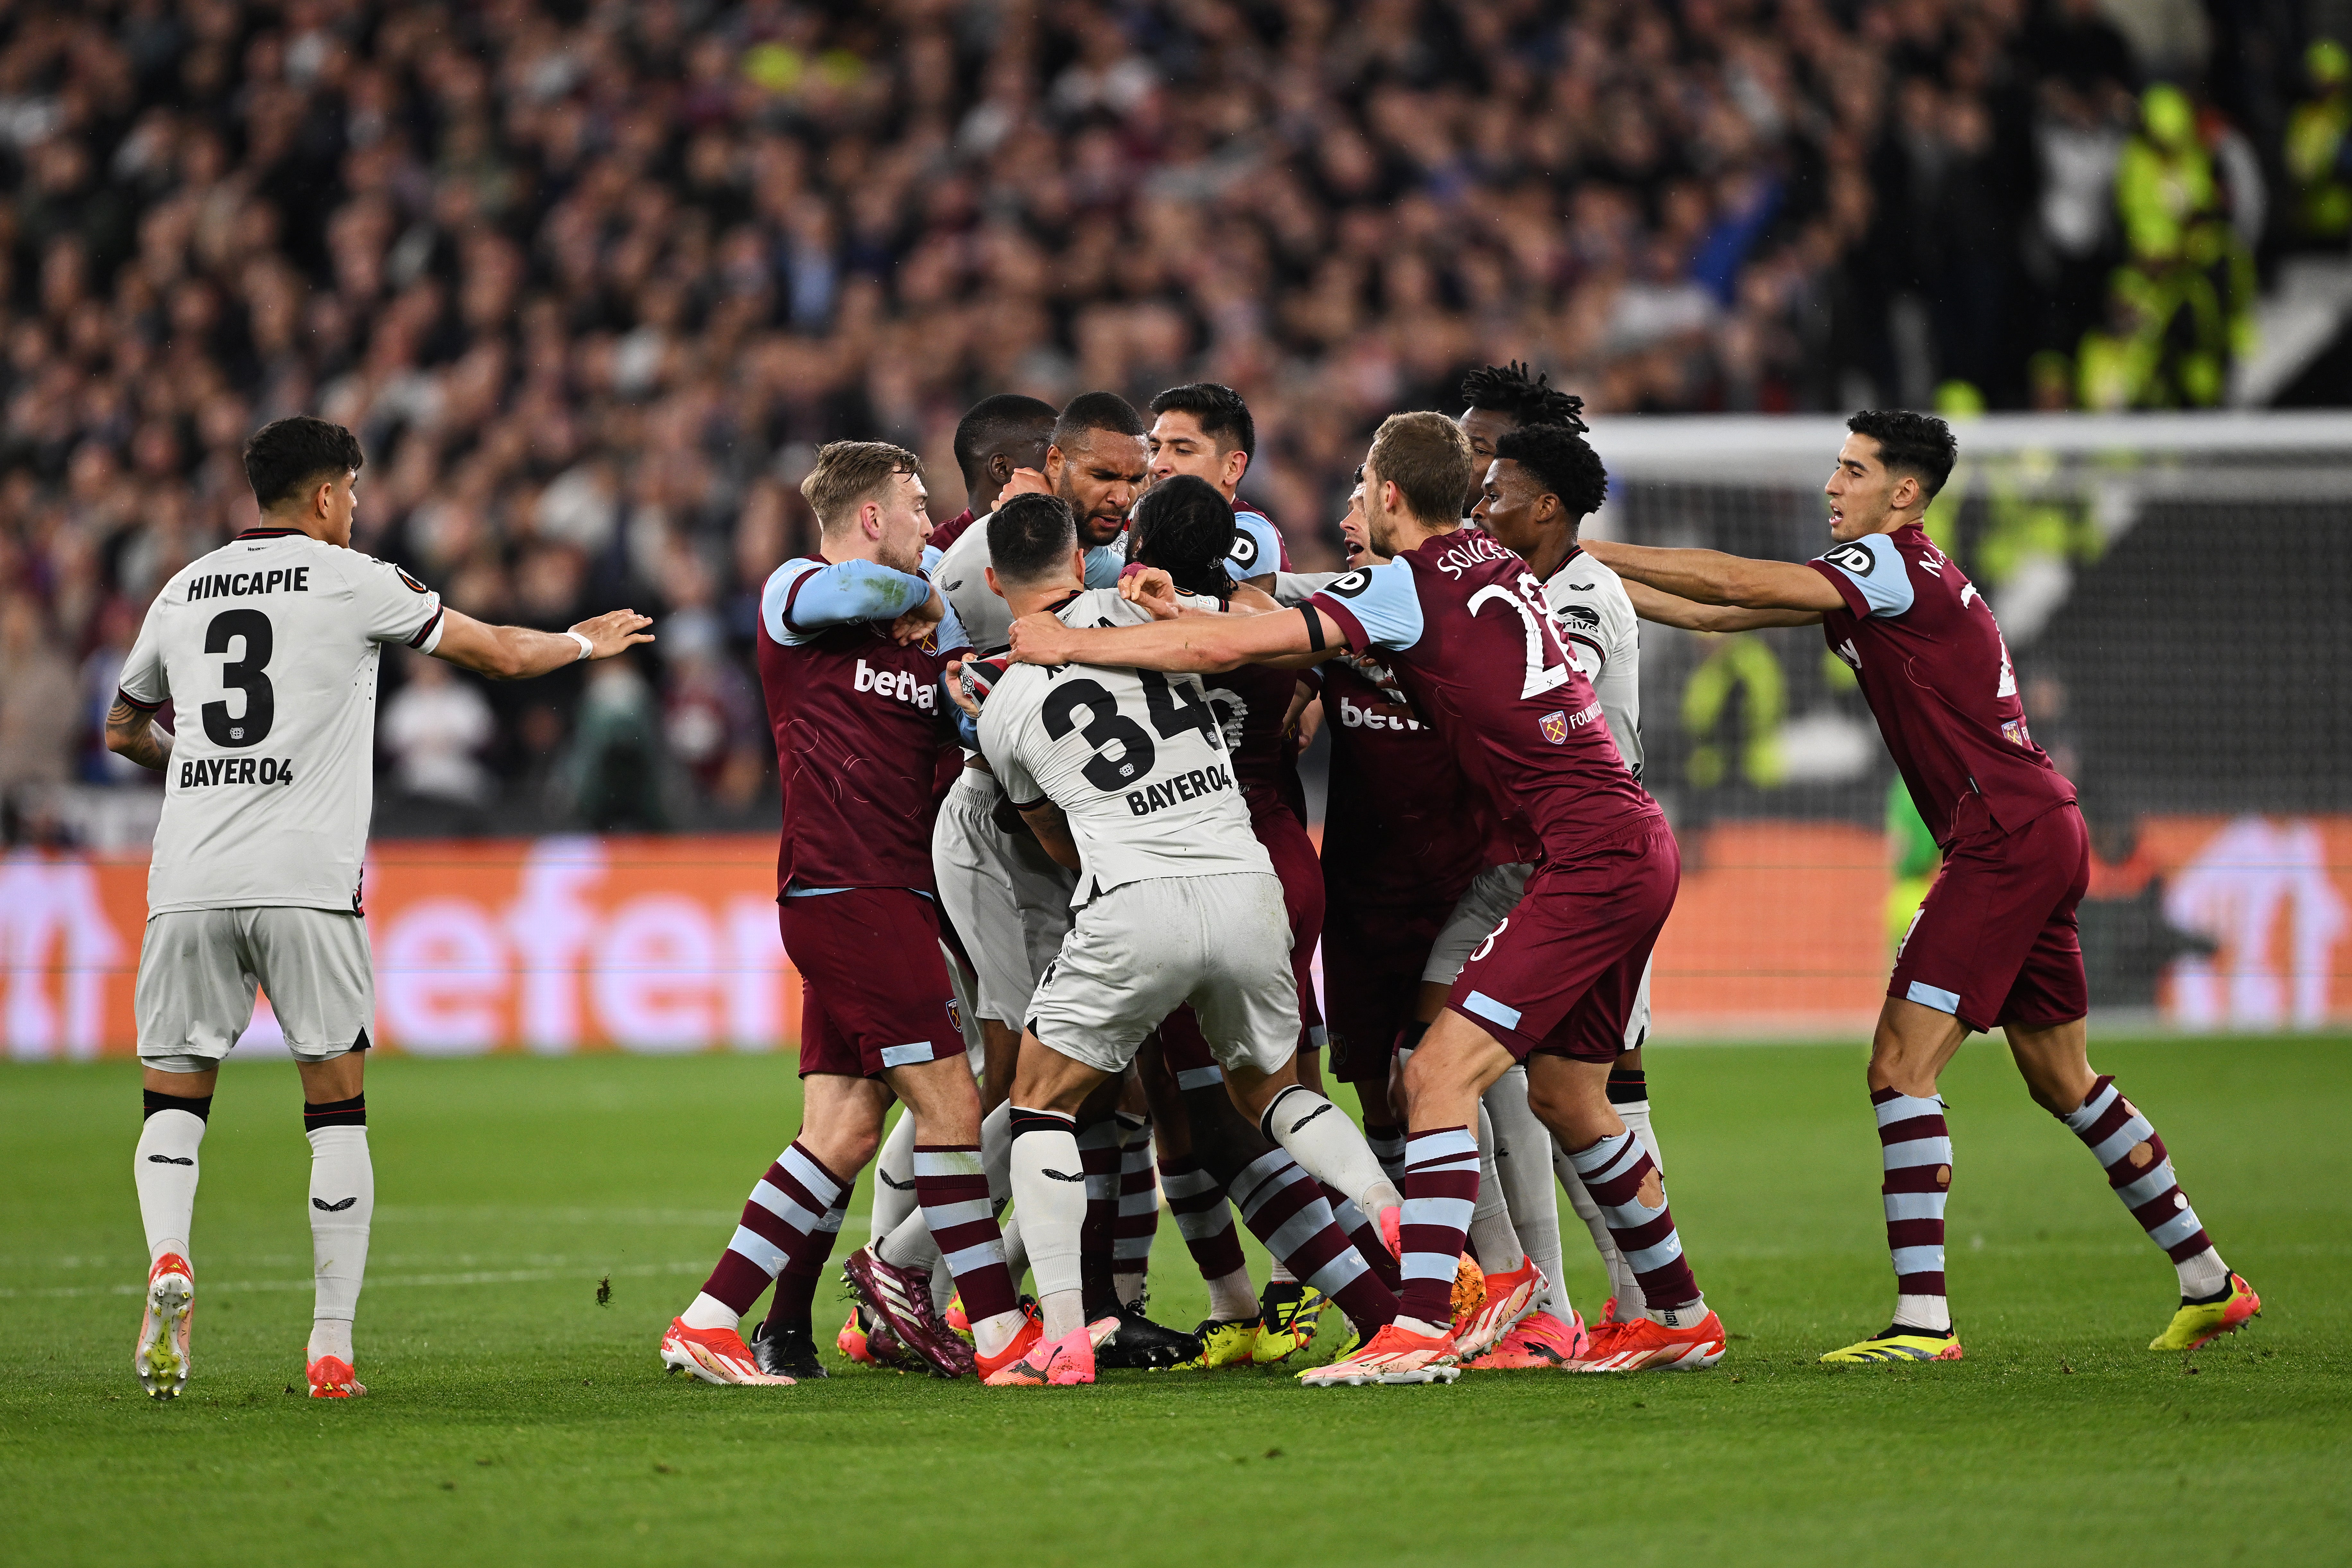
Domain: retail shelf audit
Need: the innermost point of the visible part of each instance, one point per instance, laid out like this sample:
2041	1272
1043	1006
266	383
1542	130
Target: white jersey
961	575
1135	759
1602	634
266	648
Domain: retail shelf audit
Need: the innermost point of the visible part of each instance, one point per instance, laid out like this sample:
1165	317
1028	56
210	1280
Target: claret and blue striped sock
1916	1155
2124	1143
1441	1192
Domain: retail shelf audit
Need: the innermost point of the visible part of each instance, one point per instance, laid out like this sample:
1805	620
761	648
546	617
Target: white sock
894	1183
330	1337
1523	1160
1050	1191
1636	1114
2202	1275
1232	1297
909	1244
1062	1313
1318	1135
990	1336
1128	1288
1493	1240
1688	1315
1016	1249
1933	1313
164	1170
343	1203
1278	1273
709	1312
996	1155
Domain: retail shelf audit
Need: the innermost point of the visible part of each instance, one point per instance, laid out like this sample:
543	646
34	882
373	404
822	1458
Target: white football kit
1177	901
1006	896
267	649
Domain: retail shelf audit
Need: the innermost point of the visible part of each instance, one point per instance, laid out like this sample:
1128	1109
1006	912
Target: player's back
1936	674
1477	648
858	728
267	649
1135	759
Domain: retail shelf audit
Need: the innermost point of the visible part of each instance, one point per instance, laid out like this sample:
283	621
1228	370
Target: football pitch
514	1416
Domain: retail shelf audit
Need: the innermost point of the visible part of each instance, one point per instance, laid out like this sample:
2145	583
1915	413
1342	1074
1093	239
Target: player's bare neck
1048	593
301	521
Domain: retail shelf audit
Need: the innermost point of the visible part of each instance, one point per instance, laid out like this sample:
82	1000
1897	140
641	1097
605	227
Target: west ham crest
1555	727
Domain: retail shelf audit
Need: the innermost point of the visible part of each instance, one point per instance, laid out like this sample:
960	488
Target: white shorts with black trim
198	970
1006	898
1138	953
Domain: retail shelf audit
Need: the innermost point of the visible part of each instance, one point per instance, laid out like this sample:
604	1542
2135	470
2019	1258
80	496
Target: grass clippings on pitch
515	1418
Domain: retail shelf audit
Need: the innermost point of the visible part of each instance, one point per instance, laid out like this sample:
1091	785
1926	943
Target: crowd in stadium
593	281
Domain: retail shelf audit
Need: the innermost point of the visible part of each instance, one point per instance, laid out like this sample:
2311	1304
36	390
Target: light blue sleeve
1104	563
804	597
1257	549
1877	571
1382	600
933	556
951	634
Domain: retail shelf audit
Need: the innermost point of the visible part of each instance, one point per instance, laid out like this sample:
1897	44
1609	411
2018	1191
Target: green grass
513	1418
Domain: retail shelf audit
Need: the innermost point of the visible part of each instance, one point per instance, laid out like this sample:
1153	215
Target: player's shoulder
1587	586
965	555
1257	544
1100	608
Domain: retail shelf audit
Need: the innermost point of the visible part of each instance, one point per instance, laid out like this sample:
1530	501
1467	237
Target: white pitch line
487	1276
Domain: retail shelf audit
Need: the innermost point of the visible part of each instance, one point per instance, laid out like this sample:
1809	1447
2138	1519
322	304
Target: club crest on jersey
1555	726
2013	731
955	1014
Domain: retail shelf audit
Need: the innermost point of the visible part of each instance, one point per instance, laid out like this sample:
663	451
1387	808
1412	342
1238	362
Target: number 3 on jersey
251	727
1171	715
1543	641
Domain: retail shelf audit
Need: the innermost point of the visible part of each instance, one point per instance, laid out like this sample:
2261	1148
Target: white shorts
198	969
1006	898
1141	952
1492	894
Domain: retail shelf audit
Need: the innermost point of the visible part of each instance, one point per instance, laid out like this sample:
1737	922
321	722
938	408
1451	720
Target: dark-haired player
1206	430
1475	645
267	649
997	437
852	644
1995	942
1124	776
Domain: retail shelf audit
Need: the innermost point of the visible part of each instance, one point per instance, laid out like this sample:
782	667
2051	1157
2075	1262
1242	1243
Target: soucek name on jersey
268	650
1136	760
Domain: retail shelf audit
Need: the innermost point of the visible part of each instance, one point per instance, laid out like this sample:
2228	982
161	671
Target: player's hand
1023	482
1041	638
915	624
1152	587
956	692
615	631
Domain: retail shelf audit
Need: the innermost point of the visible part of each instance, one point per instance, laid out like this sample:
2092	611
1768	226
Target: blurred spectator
2319	149
592	282
613	772
434	729
41	710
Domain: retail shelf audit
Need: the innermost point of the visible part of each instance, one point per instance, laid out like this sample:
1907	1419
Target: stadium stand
592	281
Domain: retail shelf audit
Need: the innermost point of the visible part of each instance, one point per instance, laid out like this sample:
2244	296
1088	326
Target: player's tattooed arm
1711	577
519	653
1667	610
1053	830
132	732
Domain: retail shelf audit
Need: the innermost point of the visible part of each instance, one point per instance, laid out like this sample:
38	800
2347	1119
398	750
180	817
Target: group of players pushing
1106	911
1098	891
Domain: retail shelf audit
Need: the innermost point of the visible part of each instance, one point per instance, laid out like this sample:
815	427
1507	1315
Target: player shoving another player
853	643
268	650
1124	774
1996	943
1475	645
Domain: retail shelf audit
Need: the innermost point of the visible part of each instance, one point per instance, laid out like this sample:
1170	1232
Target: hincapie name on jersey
1190	785
241	584
198	772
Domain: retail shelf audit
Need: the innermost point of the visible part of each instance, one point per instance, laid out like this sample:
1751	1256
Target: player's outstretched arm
1711	577
1669	611
1197	645
132	732
1053	830
518	653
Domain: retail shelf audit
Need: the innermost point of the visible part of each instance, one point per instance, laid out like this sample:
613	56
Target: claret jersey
1136	760
1937	675
267	649
1477	648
